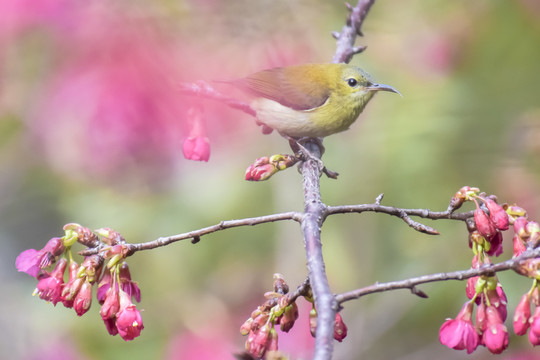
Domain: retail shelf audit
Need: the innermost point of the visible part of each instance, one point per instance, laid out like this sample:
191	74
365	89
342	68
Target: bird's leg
297	145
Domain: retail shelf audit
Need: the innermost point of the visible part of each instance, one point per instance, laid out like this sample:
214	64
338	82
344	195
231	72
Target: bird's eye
352	82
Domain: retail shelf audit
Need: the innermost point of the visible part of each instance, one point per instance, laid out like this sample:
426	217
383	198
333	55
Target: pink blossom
495	337
49	288
111	305
460	333
484	225
519	246
522	315
110	324
495	242
497	214
31	261
128	285
83	299
497	299
103	286
196	146
470	290
535	322
73	285
520	227
258	341
128	319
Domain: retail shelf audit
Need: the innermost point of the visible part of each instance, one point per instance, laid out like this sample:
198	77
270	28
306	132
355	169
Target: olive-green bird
311	100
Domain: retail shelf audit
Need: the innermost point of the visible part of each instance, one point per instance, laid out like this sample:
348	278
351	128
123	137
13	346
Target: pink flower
535	322
495	244
495	337
31	261
497	299
49	288
258	341
129	286
111	305
519	246
520	227
522	315
460	333
497	214
484	225
340	329
70	290
103	286
83	299
196	146
128	319
470	290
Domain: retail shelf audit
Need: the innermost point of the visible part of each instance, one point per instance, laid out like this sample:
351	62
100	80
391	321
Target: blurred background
91	131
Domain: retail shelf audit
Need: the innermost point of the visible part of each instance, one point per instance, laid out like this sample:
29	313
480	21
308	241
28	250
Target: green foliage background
470	115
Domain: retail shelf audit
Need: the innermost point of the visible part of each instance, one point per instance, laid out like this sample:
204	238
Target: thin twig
411	283
196	235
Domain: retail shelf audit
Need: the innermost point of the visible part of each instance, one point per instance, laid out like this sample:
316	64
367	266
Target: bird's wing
291	89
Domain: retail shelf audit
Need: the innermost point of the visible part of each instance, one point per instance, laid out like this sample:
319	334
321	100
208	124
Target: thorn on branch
358	49
418	292
379	198
195	239
349	6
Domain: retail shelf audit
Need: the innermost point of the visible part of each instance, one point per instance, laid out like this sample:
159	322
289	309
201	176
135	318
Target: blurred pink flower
209	345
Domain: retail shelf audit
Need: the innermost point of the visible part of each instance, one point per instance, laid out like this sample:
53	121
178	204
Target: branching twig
195	235
411	283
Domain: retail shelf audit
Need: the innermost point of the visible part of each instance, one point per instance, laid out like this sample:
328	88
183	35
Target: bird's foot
297	145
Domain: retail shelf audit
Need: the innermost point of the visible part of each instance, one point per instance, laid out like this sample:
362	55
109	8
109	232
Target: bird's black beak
383	87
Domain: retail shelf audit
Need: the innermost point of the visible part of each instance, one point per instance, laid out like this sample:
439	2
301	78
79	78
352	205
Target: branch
195	235
347	37
512	264
404	214
312	221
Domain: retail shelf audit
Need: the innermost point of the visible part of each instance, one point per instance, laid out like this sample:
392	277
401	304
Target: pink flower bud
535	322
522	315
258	341
103	286
288	318
313	321
73	286
460	333
497	214
83	299
495	245
340	329
111	305
519	246
495	337
484	225
520	225
260	170
49	288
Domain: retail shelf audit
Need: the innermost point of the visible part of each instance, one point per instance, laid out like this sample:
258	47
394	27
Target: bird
309	100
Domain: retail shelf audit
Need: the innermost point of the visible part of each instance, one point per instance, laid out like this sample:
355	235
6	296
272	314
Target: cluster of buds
264	167
118	312
485	238
279	308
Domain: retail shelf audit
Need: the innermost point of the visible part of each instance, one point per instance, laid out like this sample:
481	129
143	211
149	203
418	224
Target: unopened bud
498	216
484	225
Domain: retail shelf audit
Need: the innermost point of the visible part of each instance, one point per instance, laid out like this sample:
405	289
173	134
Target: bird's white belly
287	121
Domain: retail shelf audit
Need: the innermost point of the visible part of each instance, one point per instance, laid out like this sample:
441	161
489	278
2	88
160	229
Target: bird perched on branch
311	100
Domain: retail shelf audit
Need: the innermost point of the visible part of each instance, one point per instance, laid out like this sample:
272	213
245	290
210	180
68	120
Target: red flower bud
484	225
83	299
522	315
497	214
495	337
340	329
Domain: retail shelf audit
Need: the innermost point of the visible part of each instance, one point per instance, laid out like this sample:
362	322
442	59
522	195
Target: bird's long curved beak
383	87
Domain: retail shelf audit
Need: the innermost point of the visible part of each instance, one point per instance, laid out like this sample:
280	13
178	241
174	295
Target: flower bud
313	321
495	337
522	315
520	225
288	318
498	216
340	329
83	299
519	246
484	225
